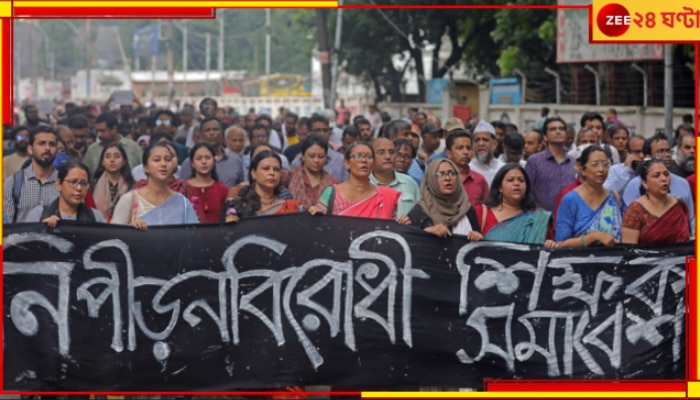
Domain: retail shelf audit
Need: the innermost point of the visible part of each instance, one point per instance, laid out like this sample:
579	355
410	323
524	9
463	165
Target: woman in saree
358	197
155	203
73	184
590	214
203	189
284	175
509	213
656	217
112	179
262	196
444	208
311	179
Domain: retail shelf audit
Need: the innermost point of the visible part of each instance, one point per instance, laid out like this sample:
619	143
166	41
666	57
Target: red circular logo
613	20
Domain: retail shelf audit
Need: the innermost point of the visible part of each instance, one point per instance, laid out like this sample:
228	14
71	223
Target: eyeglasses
160	122
74	183
20	137
449	174
260	136
362	157
605	164
207	105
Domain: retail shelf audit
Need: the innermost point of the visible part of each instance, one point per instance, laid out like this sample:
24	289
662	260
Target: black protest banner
302	300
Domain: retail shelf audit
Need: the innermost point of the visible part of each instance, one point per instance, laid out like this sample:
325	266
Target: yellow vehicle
277	85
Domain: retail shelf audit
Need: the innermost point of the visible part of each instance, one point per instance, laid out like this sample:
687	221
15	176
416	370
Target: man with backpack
36	184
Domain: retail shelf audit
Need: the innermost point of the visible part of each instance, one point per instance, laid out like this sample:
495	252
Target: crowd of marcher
546	185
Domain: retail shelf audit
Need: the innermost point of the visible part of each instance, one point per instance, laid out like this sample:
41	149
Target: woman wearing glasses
358	197
590	213
73	184
444	207
509	213
656	217
310	180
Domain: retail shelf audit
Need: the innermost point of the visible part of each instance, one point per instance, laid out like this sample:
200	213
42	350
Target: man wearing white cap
484	142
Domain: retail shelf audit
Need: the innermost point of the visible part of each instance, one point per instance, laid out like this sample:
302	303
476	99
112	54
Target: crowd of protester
484	180
545	185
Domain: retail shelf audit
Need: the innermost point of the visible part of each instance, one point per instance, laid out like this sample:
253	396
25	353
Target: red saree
381	204
672	227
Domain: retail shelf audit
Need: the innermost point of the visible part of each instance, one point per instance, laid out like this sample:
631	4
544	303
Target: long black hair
495	198
196	147
248	201
125	170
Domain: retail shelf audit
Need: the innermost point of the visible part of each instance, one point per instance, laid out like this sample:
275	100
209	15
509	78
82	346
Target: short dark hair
108	119
351	131
658	137
152	121
69	165
616	127
316	118
255	128
591	116
157	135
152	145
498	125
77	122
399	143
39	130
293	115
392	128
263	117
685	127
512	126
540	135
204	100
314	139
361	120
514	141
549	121
16	130
457	133
212	118
613	111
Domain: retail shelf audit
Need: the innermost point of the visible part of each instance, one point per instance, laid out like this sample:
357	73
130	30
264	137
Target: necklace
268	203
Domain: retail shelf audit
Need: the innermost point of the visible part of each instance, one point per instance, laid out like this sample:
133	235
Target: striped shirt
34	193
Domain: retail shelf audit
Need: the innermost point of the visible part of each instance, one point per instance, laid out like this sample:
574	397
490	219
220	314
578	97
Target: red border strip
691	296
114	12
8	69
587	386
437	6
697	92
258	393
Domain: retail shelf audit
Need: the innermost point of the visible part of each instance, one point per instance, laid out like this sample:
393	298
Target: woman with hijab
112	179
444	207
509	213
72	183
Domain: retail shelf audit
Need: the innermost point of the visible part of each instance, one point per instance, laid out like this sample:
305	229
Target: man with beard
13	162
460	151
552	169
106	127
365	128
684	164
31	113
384	174
485	162
36	184
658	146
78	125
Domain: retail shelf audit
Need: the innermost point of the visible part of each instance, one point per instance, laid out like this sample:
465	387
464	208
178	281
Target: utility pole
207	62
17	75
32	49
220	15
88	83
184	58
668	91
336	50
169	61
267	51
323	55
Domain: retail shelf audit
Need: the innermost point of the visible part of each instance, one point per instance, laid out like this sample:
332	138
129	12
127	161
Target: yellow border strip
175	4
485	395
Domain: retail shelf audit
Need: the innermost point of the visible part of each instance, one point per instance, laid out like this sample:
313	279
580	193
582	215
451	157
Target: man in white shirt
484	144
